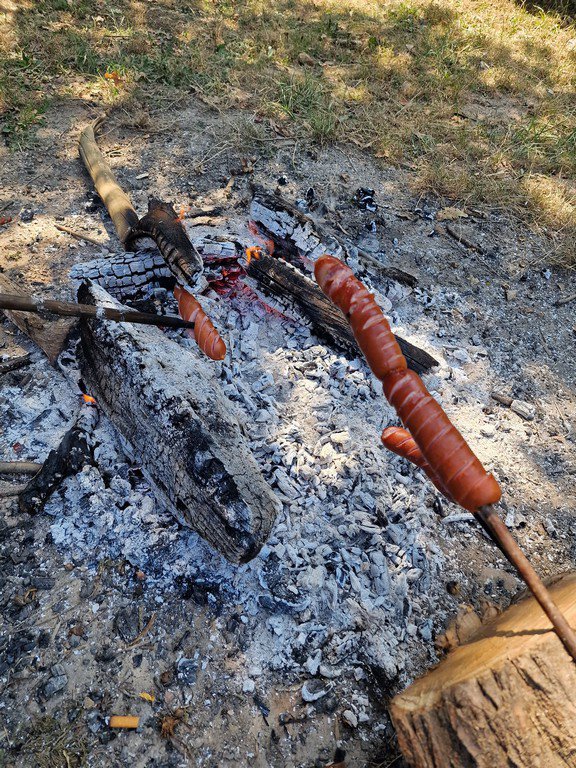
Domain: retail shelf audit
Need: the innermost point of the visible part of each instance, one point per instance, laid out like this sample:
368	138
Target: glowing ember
253	252
267	243
89	399
183	211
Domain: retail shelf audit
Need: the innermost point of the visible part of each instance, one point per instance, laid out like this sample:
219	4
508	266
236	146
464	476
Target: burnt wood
162	225
279	278
168	405
74	452
291	229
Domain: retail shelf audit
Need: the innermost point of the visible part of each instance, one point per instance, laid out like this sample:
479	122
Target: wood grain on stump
505	698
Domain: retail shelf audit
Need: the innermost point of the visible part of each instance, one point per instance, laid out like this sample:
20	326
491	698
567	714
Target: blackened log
294	231
281	279
162	225
73	453
183	431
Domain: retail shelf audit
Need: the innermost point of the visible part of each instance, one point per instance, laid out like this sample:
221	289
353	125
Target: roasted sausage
206	336
443	448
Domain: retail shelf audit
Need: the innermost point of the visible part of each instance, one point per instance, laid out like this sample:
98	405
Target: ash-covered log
180	427
277	277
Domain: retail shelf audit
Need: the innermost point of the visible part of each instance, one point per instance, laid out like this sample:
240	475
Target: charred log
181	429
162	225
73	453
292	230
279	278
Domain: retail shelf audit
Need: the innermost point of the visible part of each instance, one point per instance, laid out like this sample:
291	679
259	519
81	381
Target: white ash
349	575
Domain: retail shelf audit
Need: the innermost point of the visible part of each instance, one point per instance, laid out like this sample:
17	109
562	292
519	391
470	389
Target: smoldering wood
290	228
50	335
72	309
281	279
128	276
160	224
506	693
73	453
14	363
182	430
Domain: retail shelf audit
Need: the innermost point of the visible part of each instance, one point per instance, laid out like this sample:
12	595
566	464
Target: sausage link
401	442
205	334
370	327
441	445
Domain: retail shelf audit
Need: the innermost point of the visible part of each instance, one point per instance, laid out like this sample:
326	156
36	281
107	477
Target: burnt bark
71	455
281	279
181	428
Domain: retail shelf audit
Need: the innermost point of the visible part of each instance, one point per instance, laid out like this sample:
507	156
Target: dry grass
477	98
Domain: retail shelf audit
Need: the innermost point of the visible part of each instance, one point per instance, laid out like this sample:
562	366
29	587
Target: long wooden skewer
72	309
499	533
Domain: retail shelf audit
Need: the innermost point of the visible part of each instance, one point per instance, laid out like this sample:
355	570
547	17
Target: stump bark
504	698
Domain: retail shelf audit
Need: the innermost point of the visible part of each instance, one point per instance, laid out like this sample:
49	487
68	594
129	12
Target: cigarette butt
124	721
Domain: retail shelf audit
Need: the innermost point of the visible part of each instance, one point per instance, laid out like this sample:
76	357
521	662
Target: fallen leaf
450	214
114	76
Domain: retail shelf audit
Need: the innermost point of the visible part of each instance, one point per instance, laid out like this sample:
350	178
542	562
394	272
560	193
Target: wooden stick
71	309
7	490
19	467
14	363
498	532
117	202
78	236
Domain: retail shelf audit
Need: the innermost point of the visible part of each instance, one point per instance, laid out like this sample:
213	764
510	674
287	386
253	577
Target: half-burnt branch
279	278
293	230
160	224
180	428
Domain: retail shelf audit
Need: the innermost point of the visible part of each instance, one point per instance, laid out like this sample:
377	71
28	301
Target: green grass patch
477	97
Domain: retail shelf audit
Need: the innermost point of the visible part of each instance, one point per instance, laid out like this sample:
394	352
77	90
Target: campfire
194	450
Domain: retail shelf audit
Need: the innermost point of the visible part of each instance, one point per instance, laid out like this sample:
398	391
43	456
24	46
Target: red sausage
369	325
206	336
401	442
440	443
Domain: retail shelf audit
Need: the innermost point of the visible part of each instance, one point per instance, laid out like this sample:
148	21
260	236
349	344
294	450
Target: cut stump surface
505	698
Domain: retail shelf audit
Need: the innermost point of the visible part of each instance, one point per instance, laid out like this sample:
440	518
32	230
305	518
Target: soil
79	643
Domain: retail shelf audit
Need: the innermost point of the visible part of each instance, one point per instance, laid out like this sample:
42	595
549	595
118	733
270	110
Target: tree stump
507	697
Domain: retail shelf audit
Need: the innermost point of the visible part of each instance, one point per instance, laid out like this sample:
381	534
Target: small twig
146	629
565	300
12	490
78	236
19	467
14	364
71	309
5	205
